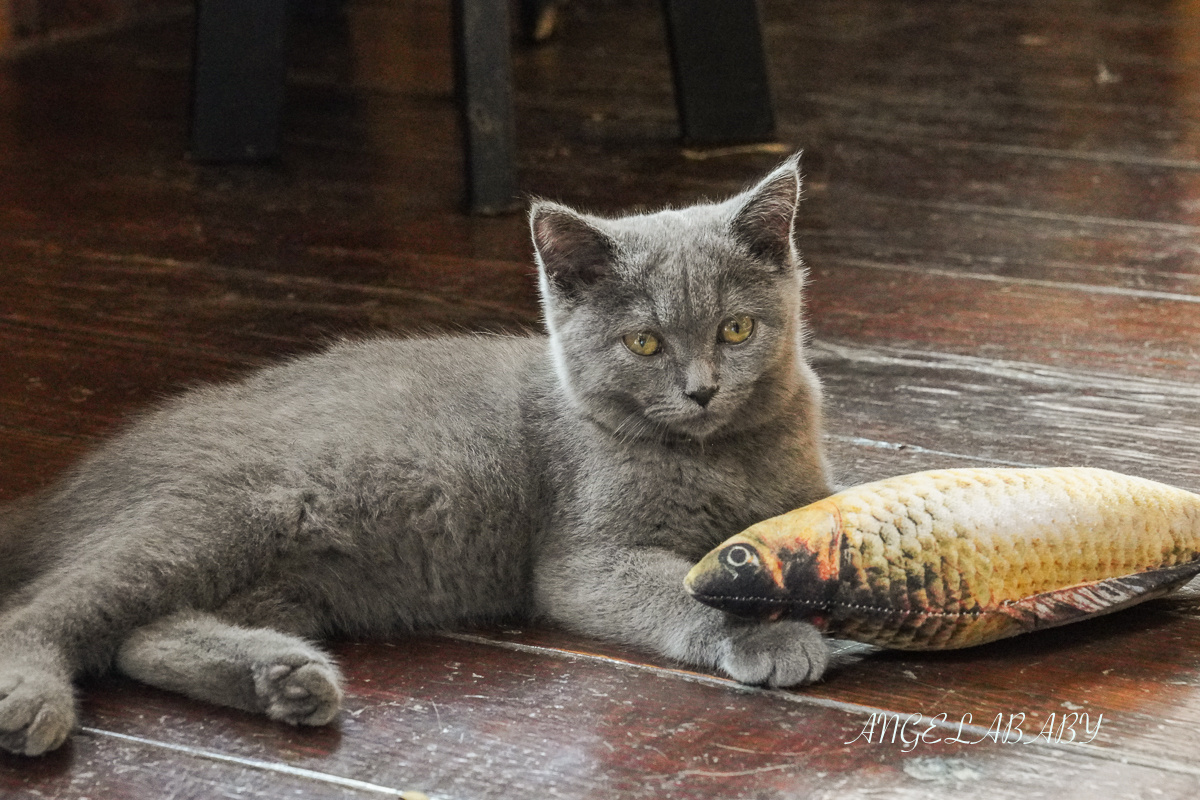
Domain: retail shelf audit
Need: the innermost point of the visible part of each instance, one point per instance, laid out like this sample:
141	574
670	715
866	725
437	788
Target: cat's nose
702	395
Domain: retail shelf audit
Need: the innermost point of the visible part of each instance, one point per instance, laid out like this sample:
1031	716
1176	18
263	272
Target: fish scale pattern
932	559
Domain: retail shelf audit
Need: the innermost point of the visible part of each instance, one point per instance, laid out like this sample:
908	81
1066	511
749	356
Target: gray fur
392	485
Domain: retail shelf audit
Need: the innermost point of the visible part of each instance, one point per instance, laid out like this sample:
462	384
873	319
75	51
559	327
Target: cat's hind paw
37	711
299	690
775	654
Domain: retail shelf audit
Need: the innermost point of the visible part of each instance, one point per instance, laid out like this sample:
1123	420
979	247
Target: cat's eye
644	343
736	330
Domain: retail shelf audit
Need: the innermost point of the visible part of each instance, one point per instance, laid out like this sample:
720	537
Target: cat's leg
70	620
37	704
37	701
51	630
254	669
636	596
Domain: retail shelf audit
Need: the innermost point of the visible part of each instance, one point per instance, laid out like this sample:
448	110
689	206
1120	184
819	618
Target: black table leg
721	84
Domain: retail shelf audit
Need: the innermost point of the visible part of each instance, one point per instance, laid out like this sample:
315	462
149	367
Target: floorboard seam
875	444
84	336
1089	288
824	350
959	207
299	772
1100	157
272	276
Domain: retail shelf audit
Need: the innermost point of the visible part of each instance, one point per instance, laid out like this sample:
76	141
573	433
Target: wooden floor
1003	229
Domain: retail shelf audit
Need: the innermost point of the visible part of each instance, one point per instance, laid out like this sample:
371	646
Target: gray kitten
392	485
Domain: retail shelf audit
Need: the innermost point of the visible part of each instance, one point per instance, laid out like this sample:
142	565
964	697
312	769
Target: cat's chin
700	427
695	428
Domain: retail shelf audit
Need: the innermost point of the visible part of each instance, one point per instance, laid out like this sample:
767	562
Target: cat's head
681	323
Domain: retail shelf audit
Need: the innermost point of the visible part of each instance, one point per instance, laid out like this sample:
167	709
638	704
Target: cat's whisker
622	433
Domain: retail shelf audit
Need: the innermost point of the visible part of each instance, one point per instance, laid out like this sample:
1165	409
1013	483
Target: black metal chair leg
238	75
721	84
483	77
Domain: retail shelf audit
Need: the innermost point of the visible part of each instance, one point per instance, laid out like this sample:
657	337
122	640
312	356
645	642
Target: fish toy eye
739	556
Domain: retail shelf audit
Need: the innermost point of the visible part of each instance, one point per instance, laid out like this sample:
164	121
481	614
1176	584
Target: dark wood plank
1014	412
1011	319
989	72
141	296
997	242
741	172
79	385
1150	195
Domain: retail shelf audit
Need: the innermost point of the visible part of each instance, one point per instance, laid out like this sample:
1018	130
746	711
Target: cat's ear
573	253
766	218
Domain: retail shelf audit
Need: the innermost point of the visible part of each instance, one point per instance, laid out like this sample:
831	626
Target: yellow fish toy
954	558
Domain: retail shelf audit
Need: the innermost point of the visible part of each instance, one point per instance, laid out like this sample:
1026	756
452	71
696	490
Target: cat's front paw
775	654
300	689
37	711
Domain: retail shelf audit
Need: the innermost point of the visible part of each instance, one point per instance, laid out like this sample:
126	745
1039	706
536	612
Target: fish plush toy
954	558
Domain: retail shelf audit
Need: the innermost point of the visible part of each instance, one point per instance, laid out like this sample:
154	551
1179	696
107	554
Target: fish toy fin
1050	609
